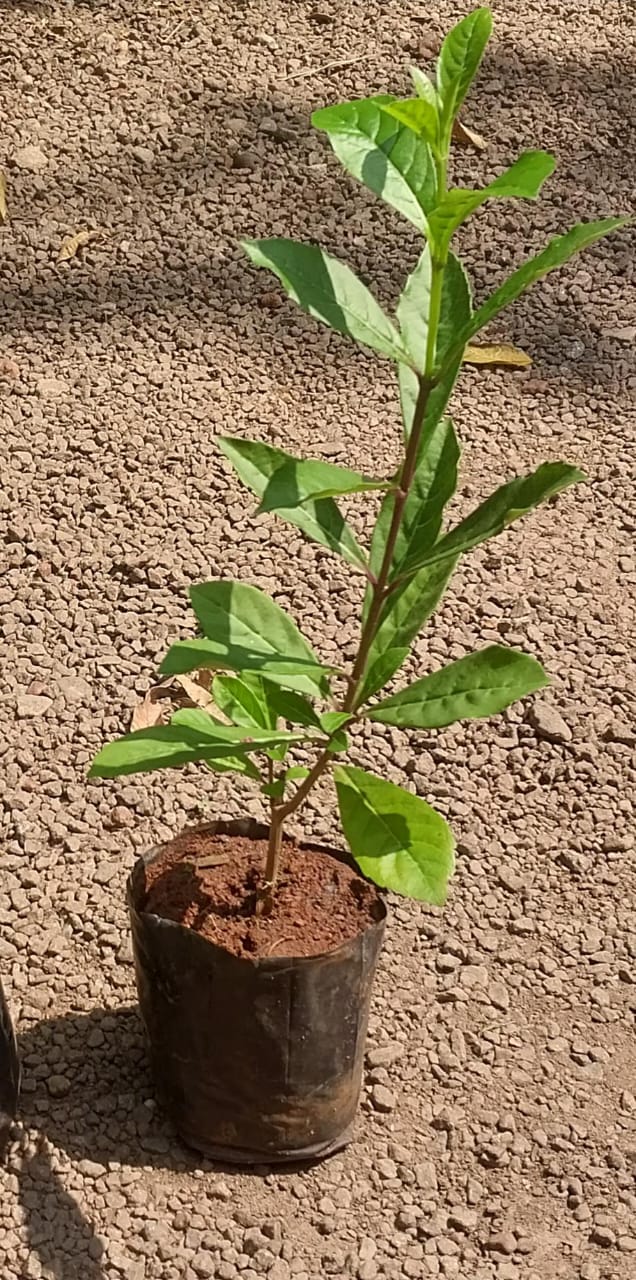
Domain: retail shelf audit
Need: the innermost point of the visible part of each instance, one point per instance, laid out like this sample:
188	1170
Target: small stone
29	705
590	1271
59	1086
548	723
31	158
385	1055
474	975
244	160
426	1175
204	1265
503	1242
143	154
280	1270
462	1219
603	1236
382	1098
498	995
74	689
627	1244
51	388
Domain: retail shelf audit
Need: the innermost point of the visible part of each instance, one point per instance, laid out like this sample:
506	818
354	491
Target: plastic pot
256	1061
9	1074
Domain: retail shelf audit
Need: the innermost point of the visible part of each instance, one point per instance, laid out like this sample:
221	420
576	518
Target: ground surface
497	1132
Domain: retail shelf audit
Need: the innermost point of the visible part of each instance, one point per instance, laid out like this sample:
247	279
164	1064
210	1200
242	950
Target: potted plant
254	952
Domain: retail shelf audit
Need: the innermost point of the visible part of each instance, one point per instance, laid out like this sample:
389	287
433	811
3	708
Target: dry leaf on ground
149	712
72	244
3	198
195	690
497	353
468	137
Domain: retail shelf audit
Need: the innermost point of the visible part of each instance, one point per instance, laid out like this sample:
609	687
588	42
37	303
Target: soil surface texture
319	902
497	1133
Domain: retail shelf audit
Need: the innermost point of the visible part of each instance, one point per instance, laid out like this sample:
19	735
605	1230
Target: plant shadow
59	1234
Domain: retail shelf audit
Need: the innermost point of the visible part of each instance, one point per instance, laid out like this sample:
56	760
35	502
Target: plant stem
380	586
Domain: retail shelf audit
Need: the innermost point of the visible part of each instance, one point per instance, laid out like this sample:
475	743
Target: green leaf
406	610
331	721
522	180
285	704
418	114
481	684
300	480
242	700
424	86
256	464
434	483
459	60
414	306
234	764
506	504
297	773
557	252
396	838
329	291
383	154
191	735
246	631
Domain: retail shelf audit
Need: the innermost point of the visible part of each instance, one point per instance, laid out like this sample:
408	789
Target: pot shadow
97	1065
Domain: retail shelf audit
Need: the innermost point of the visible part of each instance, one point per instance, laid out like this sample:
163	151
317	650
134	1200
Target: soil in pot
209	883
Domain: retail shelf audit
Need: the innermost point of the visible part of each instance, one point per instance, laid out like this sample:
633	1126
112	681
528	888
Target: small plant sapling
271	690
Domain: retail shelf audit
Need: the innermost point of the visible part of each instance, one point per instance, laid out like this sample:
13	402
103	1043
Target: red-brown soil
319	902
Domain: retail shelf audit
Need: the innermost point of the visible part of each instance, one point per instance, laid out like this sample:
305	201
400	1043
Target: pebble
32	158
549	723
383	1098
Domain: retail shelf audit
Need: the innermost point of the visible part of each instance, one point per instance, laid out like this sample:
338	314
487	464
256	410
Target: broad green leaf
191	735
396	838
285	704
523	180
406	610
301	480
242	700
418	114
414	306
246	631
383	154
434	483
556	253
459	60
329	291
506	504
257	463
481	684
409	385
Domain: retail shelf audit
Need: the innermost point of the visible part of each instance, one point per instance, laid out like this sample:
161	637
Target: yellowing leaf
72	244
468	137
497	353
3	198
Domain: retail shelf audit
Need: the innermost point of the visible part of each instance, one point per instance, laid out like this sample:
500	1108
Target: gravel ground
497	1135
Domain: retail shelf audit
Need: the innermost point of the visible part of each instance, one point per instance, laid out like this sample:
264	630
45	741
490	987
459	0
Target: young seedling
399	148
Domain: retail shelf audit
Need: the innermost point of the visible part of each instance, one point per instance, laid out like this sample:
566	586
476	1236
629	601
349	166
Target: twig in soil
278	943
326	66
